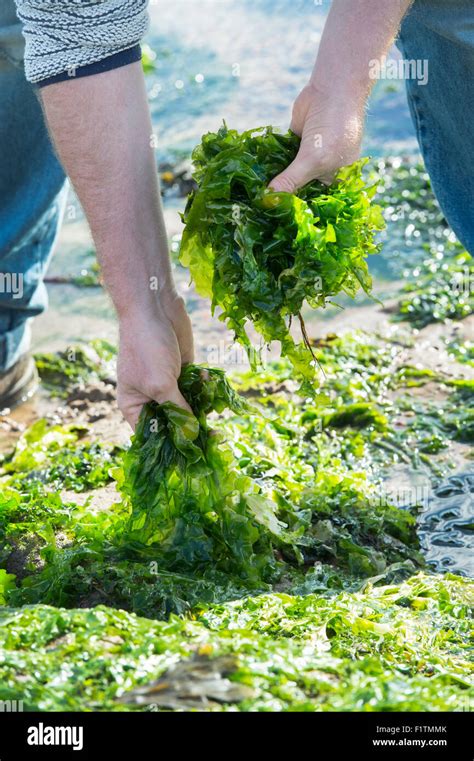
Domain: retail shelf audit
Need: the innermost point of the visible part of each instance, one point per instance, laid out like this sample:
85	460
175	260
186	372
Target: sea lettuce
190	503
402	647
260	255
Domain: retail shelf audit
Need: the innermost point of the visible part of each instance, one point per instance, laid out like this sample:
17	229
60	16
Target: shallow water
447	526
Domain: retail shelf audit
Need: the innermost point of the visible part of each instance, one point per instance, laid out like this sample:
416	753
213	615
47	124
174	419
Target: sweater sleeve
73	38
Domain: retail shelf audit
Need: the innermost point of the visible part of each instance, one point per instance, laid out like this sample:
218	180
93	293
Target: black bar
138	735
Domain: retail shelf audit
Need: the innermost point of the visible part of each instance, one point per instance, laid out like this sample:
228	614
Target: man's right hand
331	134
329	113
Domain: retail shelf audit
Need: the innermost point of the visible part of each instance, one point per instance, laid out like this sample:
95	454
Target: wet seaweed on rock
401	647
79	364
439	289
367	634
209	515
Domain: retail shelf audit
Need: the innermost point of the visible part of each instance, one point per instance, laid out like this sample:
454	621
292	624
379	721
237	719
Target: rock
99	392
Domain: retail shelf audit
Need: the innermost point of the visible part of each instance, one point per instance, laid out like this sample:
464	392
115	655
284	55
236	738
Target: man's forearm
356	32
102	132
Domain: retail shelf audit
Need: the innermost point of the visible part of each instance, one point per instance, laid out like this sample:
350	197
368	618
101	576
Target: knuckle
122	405
163	389
285	183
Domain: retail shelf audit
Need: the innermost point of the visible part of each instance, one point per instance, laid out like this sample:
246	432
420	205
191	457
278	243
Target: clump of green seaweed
56	455
439	289
402	647
189	499
60	372
259	255
463	351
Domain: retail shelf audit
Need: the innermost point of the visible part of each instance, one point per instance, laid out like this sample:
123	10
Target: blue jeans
31	179
32	195
441	32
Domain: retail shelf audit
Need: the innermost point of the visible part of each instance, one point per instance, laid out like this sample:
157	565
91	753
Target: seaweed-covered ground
334	569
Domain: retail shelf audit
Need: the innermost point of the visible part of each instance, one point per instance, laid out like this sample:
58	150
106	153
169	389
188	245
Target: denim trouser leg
442	32
32	195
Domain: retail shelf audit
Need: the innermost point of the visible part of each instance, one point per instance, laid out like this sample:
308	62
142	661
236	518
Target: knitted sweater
72	38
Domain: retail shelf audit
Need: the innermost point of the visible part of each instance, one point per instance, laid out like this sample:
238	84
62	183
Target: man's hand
154	345
329	113
331	135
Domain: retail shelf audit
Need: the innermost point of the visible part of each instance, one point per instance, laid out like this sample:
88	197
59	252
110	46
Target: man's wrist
148	304
344	95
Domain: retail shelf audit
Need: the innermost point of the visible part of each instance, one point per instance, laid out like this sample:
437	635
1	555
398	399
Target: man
83	57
